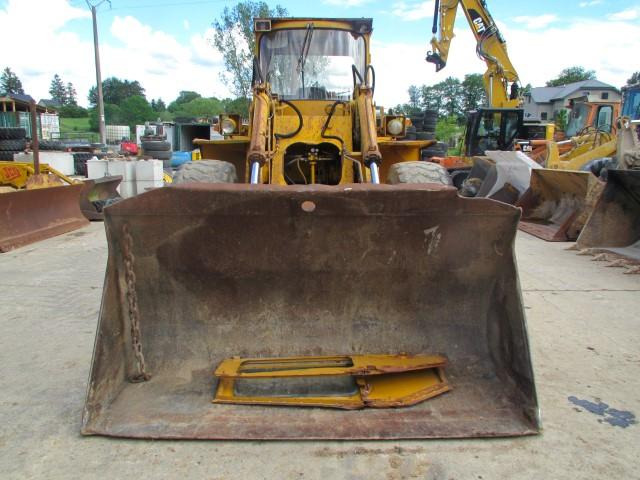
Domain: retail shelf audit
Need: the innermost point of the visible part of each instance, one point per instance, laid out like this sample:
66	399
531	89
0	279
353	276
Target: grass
76	128
68	125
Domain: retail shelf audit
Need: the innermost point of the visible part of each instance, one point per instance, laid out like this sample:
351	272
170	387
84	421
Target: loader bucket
98	193
614	225
28	216
558	203
206	272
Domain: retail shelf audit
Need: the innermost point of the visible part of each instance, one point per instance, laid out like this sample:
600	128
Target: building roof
49	103
549	94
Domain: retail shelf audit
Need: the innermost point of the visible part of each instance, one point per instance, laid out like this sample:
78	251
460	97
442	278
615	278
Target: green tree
430	97
135	110
57	90
233	38
452	96
115	91
561	118
635	78
473	94
201	107
158	105
112	116
571	75
448	128
10	83
239	106
414	97
185	96
71	97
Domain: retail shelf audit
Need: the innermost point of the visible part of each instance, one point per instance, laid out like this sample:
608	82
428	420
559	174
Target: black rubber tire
13	145
430	114
416	121
598	166
418	172
158	155
7	155
12	133
439	149
156	146
458	177
206	171
50	145
425	136
80	162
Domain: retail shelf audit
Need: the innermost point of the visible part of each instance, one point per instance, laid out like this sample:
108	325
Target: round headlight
394	127
228	126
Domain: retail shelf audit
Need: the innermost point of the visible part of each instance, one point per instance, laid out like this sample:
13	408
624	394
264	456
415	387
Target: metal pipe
375	174
101	119
255	173
35	143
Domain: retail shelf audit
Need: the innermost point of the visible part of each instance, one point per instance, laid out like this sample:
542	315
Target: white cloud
159	61
629	14
536	22
400	65
413	10
346	3
590	3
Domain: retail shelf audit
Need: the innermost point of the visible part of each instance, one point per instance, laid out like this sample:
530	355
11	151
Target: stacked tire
12	141
158	148
80	162
423	126
438	149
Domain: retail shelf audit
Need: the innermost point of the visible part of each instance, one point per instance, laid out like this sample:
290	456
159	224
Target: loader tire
12	133
7	155
425	136
206	171
418	172
13	145
156	146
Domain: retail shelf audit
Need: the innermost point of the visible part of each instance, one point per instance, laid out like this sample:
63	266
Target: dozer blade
98	193
28	216
614	225
558	203
198	273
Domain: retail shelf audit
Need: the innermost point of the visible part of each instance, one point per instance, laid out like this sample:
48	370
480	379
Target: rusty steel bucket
28	216
98	193
198	273
558	203
614	225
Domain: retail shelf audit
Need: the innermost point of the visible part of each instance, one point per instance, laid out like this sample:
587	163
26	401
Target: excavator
310	277
555	203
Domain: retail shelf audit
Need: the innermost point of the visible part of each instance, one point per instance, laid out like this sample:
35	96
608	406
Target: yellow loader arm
491	47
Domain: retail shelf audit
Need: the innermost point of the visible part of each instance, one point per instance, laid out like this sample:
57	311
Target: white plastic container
127	189
97	168
61	161
149	171
126	169
144	185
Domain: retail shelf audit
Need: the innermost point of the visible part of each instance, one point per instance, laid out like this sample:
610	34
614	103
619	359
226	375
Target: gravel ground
584	327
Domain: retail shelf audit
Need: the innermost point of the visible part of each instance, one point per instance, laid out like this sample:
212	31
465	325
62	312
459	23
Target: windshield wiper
306	43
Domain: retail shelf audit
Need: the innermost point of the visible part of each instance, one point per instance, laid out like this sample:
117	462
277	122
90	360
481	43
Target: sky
167	44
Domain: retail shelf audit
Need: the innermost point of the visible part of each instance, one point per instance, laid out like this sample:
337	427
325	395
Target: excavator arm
501	78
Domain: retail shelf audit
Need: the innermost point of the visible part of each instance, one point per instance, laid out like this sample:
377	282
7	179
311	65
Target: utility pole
102	127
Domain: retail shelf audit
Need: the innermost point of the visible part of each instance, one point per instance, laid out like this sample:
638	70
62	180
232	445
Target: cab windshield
311	63
577	119
631	107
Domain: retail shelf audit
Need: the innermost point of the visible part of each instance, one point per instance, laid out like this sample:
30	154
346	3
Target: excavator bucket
200	273
558	203
97	194
28	216
614	225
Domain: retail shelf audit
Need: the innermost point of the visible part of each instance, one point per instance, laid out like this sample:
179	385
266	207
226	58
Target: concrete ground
585	334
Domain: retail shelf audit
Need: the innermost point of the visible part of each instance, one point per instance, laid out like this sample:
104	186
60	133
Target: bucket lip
407	199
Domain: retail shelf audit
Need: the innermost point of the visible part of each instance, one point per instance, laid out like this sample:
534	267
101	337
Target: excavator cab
492	129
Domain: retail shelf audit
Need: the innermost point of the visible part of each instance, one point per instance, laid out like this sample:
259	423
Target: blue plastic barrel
178	158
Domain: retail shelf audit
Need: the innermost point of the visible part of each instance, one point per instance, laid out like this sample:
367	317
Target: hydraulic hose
300	124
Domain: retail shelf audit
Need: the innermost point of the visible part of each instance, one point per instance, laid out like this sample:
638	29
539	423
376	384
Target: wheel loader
310	278
613	228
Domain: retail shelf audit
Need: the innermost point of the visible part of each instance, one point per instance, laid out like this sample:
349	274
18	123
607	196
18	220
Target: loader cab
492	129
584	114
